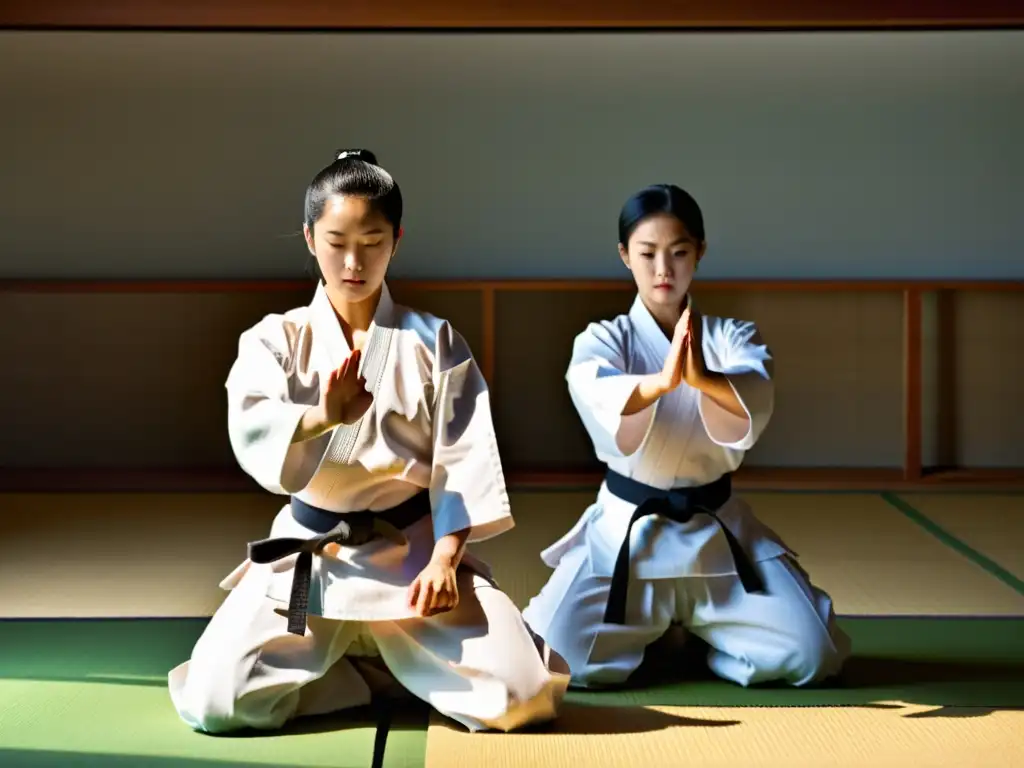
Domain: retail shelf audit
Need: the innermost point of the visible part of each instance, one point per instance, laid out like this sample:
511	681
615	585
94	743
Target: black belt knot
350	529
678	505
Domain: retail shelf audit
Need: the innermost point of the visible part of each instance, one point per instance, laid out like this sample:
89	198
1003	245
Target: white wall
813	154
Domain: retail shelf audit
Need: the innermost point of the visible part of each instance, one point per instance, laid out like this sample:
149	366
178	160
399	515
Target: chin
353	292
666	298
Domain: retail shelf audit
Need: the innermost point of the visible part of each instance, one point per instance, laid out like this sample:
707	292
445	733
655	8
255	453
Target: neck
354	316
667	316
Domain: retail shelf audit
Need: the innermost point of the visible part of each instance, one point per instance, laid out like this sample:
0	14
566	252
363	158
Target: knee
215	704
816	657
194	701
797	660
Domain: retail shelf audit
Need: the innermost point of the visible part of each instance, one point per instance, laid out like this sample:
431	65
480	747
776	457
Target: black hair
353	173
660	198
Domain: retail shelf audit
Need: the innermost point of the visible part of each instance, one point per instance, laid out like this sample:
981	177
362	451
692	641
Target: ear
624	255
700	253
398	241
308	234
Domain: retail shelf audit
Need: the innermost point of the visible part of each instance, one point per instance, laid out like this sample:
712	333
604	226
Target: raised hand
344	398
693	358
673	371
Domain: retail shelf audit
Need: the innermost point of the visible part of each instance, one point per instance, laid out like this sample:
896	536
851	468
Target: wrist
319	415
444	559
705	380
448	550
658	384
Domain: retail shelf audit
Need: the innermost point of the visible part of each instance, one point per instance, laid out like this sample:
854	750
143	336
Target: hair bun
359	154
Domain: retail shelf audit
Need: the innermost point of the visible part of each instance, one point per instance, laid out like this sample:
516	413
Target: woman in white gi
374	419
672	401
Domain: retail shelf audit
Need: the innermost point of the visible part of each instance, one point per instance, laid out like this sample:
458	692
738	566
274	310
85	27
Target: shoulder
604	338
431	337
276	332
726	332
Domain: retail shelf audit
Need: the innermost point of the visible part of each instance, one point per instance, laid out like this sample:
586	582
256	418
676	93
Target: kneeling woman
672	401
374	419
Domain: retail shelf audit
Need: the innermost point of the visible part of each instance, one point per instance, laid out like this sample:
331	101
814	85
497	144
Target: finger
414	591
441	595
425	599
443	598
353	366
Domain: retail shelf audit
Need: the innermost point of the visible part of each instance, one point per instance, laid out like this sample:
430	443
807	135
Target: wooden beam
488	330
946	385
522	14
912	384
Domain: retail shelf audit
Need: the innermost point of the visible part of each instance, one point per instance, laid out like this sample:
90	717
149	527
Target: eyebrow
677	241
375	231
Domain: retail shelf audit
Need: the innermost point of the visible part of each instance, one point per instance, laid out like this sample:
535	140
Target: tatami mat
132	724
92	555
992	524
94	693
873	560
95	555
886	734
857	547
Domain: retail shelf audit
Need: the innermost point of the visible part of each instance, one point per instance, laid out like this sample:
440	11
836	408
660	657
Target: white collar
648	329
327	328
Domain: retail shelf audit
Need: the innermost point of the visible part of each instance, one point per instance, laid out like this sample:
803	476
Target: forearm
449	548
314	423
716	386
645	395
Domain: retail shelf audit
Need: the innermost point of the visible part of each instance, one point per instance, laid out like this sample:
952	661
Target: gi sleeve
735	348
600	387
261	415
467	486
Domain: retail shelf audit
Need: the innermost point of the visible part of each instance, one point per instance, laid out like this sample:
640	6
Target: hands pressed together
685	360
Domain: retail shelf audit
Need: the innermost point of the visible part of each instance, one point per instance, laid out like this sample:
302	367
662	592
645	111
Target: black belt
679	505
350	529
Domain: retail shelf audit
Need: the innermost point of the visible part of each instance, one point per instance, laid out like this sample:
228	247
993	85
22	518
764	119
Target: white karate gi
680	572
429	427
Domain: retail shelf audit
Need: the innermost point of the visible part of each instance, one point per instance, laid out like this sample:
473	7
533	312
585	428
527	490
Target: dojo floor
95	608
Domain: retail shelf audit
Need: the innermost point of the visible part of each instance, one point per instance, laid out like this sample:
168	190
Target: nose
663	264
352	262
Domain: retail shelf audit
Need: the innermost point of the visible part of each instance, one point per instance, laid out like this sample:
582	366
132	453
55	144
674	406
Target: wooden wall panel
537	425
523	14
838	374
988	367
130	376
134	380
